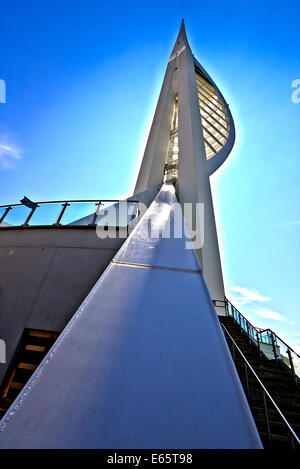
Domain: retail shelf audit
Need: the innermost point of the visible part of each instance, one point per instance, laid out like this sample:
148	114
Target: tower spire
181	40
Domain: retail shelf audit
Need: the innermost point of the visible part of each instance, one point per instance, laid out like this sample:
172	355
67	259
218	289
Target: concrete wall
45	274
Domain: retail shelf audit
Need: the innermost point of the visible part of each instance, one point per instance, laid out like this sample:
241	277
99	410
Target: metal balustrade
64	212
268	402
267	341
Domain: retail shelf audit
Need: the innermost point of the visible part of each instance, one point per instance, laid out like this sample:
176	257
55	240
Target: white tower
192	134
143	363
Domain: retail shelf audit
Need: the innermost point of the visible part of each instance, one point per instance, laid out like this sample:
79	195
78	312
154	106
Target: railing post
248	332
64	206
258	343
291	440
96	213
226	308
30	215
5	213
267	419
233	351
274	347
247	381
292	365
240	320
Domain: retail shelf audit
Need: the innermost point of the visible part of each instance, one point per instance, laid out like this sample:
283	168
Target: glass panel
132	212
171	165
17	215
45	214
244	325
296	363
79	213
266	338
252	333
107	214
282	354
117	214
267	341
213	116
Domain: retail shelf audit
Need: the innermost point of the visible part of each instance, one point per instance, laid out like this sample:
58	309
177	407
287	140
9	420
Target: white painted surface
142	364
193	185
168	252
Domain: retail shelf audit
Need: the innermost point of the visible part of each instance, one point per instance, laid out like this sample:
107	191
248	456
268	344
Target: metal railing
266	397
269	344
60	212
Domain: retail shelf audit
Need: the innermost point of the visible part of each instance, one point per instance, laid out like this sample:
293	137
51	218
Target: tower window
214	117
171	165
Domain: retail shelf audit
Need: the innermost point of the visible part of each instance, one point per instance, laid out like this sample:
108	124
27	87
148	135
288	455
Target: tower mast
191	135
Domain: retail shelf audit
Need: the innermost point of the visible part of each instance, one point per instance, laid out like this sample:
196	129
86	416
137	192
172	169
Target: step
278	441
270	383
284	407
282	393
262	364
288	415
259	416
268	377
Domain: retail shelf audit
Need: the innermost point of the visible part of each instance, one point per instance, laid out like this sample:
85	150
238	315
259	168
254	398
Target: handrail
265	391
71	201
261	331
9	211
256	336
274	333
229	302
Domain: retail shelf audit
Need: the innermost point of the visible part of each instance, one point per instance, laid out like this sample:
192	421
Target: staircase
281	384
33	347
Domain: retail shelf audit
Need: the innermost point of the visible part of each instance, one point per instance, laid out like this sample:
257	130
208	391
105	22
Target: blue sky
82	82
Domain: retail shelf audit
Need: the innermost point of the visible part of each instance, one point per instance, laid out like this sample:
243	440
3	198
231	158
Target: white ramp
142	364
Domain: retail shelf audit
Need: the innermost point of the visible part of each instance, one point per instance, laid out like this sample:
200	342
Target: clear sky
82	82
